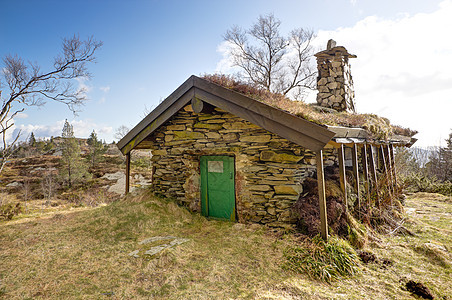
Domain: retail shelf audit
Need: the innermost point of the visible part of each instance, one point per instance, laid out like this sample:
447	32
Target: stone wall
334	81
268	169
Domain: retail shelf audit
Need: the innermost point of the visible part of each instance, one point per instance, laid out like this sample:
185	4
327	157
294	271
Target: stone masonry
334	81
269	170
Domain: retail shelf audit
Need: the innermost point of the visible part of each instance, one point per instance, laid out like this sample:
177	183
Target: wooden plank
356	173
158	121
373	173
348	132
249	114
364	158
342	177
315	131
127	173
322	196
162	107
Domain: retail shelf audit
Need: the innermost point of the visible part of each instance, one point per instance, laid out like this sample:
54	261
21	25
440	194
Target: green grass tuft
325	261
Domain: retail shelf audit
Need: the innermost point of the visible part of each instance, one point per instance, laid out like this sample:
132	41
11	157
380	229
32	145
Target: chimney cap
331	44
333	50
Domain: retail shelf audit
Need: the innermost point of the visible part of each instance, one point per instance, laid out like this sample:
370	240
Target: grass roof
378	127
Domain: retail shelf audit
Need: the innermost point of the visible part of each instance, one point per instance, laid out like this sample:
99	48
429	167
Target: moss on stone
188	135
208	126
279	157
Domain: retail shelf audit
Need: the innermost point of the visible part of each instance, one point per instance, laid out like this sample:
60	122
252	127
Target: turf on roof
378	127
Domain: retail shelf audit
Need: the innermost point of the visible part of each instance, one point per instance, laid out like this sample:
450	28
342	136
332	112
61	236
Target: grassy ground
83	254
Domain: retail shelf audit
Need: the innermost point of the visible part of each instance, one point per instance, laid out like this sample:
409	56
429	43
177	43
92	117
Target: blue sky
151	47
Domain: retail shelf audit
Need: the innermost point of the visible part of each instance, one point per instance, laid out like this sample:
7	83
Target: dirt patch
367	257
419	289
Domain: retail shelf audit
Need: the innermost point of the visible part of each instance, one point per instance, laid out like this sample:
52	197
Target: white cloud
226	65
21	115
83	86
105	89
402	70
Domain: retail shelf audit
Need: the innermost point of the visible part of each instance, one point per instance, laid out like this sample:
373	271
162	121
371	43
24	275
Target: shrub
322	260
9	210
423	183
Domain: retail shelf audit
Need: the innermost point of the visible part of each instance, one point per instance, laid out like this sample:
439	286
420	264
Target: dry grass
84	255
378	127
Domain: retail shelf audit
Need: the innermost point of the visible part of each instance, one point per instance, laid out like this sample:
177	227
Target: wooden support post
378	164
127	172
322	196
389	166
373	172
342	178
386	177
356	173
366	173
394	173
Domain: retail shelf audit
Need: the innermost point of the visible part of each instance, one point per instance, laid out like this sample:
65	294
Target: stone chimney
334	82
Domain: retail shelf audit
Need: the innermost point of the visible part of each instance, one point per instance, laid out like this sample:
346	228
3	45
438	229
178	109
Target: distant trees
27	85
271	61
426	170
96	149
72	166
32	140
440	164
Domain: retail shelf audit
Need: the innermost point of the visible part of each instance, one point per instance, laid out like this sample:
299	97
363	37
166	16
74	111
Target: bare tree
48	182
27	85
271	61
121	132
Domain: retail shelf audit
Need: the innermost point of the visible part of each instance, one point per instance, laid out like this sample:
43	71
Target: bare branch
271	61
29	86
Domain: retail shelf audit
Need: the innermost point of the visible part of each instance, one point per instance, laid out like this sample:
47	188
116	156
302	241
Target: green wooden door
217	187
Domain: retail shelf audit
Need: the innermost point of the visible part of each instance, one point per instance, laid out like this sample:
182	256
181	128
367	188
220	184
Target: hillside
33	175
98	253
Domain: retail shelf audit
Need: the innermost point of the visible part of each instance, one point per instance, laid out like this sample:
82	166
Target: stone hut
232	157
